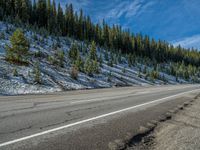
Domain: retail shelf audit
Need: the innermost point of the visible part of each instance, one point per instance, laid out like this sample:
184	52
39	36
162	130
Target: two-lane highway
87	119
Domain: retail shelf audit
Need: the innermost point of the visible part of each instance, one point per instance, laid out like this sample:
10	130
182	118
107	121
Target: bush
15	72
51	59
74	73
124	70
60	57
2	35
39	54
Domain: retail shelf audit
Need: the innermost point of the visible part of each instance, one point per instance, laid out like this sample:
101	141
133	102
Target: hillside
45	48
56	78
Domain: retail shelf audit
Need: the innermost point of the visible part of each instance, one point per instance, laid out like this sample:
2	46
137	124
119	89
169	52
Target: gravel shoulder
180	132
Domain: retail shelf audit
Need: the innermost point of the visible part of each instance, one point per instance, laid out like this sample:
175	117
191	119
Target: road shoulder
180	131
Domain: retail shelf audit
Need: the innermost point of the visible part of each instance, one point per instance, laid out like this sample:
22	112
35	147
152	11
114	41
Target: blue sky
177	21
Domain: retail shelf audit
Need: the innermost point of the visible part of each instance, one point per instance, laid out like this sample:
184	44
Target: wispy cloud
189	42
125	8
123	12
78	4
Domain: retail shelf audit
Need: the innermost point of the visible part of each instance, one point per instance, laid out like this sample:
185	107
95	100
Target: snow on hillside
55	78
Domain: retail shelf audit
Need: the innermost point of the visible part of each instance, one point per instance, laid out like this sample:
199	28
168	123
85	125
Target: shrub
60	57
2	35
124	70
74	73
15	72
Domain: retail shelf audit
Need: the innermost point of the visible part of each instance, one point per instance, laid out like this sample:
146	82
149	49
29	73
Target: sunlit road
88	119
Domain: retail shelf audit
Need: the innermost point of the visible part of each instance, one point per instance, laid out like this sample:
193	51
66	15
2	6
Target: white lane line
92	119
123	96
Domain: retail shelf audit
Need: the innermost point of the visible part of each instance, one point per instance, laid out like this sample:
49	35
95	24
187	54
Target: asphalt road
87	119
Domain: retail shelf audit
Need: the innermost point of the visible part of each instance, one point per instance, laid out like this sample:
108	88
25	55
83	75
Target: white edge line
90	119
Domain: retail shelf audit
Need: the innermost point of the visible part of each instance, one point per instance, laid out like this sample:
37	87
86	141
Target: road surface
88	119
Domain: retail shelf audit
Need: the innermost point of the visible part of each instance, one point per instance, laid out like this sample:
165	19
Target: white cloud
189	42
126	8
129	8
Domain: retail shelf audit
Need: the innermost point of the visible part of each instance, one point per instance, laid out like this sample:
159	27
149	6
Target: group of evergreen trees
46	14
90	66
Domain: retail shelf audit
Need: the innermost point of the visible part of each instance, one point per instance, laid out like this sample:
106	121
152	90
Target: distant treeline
46	14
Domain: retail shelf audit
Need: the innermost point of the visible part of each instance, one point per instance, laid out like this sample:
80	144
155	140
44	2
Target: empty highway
87	119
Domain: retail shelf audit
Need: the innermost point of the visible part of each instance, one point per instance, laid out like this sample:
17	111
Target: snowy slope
55	78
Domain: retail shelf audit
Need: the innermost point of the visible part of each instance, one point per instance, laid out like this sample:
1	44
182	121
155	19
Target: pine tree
49	16
106	55
88	67
95	66
73	52
79	64
130	60
60	19
42	13
19	47
93	52
37	73
25	10
100	60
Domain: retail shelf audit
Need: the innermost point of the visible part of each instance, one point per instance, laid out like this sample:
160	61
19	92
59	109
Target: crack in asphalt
76	110
65	121
15	131
17	109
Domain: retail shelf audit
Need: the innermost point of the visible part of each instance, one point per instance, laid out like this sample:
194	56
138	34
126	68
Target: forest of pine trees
48	15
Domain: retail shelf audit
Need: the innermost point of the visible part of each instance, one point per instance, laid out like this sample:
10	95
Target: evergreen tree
73	52
88	67
25	10
60	19
93	52
42	13
79	64
19	47
100	60
37	73
95	66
